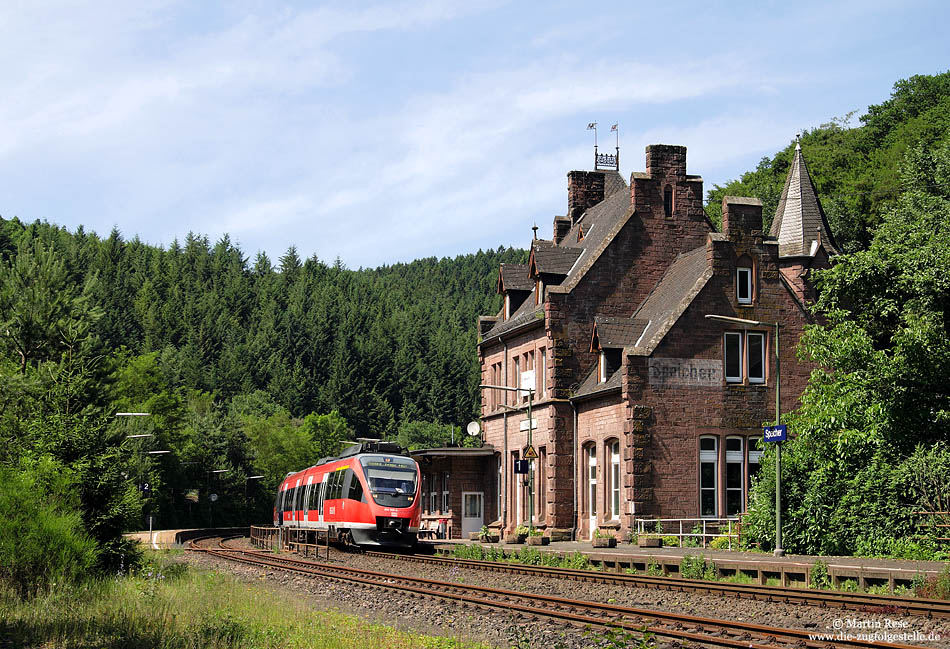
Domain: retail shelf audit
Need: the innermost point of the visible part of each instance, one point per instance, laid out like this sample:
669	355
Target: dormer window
507	306
744	284
538	291
608	363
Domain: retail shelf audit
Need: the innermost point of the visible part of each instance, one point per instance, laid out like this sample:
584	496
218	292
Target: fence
703	529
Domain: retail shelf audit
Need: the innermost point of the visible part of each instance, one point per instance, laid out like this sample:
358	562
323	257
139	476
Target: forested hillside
246	367
854	163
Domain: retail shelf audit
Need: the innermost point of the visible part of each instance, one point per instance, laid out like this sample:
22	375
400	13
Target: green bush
696	567
934	587
723	542
43	541
819	575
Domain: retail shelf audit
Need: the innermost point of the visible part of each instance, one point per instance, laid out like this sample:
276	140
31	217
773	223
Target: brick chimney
562	225
741	218
666	160
584	190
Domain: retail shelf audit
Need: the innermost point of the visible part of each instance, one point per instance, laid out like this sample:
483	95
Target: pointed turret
800	224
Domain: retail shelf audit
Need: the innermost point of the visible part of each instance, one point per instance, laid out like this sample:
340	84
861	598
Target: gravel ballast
453	619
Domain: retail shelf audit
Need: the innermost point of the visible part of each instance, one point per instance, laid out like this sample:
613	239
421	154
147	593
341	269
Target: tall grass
163	607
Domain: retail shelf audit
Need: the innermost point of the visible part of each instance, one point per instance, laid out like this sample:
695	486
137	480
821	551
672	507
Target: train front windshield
391	480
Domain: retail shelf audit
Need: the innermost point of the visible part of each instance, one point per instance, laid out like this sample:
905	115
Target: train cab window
391	480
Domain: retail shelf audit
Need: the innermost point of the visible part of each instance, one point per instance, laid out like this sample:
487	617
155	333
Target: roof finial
535	229
798	141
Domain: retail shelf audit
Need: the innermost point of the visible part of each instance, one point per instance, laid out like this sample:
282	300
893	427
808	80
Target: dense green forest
246	369
252	368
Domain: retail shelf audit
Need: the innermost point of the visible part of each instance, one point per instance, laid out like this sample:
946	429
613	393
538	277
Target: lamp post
779	550
246	480
530	392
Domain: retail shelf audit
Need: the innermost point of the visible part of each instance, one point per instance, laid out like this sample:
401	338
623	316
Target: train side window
320	496
356	488
338	484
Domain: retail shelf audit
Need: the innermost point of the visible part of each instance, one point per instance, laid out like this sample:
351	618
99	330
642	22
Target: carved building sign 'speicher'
685	372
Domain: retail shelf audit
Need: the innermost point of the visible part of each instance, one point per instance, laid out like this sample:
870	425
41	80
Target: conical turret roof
800	224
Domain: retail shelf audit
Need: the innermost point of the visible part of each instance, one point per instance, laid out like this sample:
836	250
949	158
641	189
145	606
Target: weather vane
605	160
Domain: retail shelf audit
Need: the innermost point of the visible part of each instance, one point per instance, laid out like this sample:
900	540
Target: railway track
863	602
679	627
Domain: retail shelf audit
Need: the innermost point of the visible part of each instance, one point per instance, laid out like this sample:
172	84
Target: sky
382	132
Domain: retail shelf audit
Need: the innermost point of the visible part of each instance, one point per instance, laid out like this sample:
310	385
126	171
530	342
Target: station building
643	407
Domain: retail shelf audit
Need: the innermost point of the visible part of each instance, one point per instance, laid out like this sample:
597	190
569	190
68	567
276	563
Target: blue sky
387	131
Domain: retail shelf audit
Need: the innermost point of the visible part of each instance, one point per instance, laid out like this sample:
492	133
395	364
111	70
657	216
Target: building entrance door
473	512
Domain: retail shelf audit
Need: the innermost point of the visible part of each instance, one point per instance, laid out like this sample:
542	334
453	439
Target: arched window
613	495
745	280
668	201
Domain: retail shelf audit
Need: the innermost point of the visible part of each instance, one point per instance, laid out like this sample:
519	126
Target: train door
306	499
295	503
322	492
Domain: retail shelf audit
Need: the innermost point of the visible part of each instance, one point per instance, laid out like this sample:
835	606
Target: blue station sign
775	433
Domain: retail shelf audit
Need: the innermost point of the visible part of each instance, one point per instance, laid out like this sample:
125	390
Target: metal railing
703	529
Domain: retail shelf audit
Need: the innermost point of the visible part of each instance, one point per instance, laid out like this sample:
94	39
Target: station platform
790	570
170	539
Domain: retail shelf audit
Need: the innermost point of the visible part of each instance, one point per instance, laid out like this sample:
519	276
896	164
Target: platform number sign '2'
775	433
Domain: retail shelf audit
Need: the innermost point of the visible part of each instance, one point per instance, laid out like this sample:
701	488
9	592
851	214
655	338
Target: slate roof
799	218
514	277
549	259
590	387
598	224
682	282
612	333
527	313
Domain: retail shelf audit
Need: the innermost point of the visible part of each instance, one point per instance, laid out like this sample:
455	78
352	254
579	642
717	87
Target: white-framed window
516	381
756	351
507	306
708	476
744	284
744	356
614	447
755	458
445	493
538	291
733	356
602	371
734	462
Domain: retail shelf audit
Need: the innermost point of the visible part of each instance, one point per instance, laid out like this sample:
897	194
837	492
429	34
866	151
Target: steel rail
864	602
723	633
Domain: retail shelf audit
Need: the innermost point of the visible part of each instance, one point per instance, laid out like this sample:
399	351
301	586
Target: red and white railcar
367	496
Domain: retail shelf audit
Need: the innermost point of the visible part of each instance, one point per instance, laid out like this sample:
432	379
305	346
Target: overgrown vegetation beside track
165	605
695	566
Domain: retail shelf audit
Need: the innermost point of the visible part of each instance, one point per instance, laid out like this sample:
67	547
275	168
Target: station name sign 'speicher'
685	372
775	433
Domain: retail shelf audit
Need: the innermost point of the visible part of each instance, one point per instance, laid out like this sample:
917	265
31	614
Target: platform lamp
530	392
779	550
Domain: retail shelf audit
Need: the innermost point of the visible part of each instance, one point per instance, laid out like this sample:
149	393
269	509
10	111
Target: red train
367	496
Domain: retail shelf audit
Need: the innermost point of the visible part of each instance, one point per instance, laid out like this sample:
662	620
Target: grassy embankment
169	606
